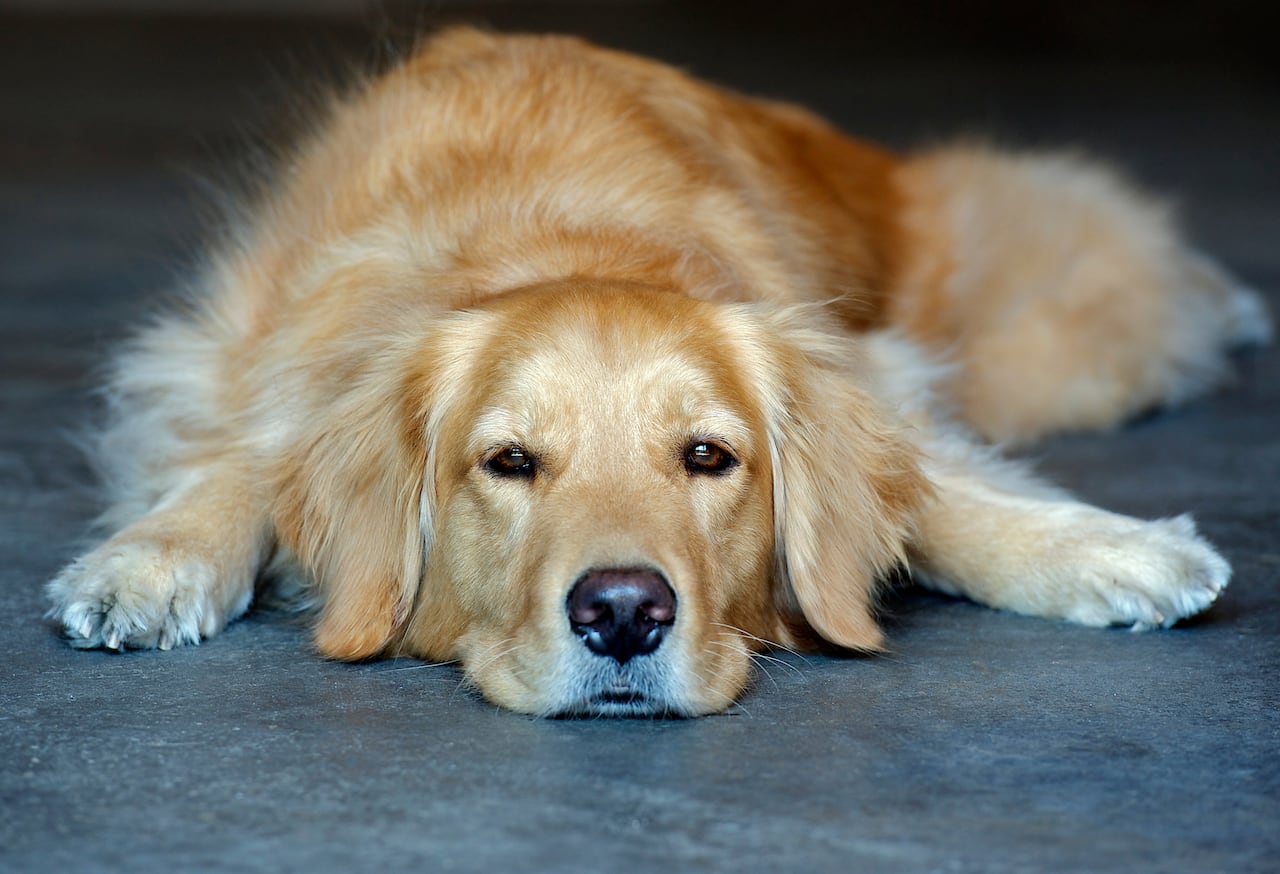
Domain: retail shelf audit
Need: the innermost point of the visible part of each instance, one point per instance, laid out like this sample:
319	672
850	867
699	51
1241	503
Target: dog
598	379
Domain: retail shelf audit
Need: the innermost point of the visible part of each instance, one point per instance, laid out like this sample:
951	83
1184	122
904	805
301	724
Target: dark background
984	742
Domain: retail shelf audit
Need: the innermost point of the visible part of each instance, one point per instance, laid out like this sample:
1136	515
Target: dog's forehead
615	363
613	359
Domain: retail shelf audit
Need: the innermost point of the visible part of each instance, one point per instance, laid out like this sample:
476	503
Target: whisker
777	661
733	645
738	649
760	656
732	703
419	667
490	658
888	656
772	644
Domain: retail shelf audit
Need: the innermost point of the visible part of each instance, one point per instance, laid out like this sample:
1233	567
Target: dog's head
601	499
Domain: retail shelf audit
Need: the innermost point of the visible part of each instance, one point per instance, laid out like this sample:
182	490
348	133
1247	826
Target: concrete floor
985	742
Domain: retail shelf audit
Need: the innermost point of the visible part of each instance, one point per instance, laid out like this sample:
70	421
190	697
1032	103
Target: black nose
621	613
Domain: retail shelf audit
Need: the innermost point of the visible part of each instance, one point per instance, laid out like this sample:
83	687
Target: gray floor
984	743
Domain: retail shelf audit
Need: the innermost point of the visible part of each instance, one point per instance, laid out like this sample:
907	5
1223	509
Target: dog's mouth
622	700
616	695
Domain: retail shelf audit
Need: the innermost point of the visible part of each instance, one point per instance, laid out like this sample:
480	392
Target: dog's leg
1064	296
177	574
997	535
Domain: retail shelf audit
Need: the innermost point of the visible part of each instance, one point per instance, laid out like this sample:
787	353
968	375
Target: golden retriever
596	378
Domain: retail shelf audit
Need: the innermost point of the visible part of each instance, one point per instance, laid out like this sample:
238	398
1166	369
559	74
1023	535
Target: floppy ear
349	507
846	483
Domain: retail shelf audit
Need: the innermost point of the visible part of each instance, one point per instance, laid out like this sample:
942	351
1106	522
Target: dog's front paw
135	595
1148	575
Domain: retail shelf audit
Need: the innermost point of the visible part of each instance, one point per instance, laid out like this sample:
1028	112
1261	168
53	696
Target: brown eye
511	461
706	457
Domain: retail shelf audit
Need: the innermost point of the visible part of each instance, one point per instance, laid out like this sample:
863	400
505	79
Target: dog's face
603	510
621	493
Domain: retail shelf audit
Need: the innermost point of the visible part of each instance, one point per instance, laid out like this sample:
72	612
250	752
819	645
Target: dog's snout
622	613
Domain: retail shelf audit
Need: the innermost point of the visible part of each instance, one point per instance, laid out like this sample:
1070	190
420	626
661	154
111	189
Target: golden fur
530	242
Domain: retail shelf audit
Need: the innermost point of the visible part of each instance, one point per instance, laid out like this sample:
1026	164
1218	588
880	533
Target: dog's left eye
512	461
707	457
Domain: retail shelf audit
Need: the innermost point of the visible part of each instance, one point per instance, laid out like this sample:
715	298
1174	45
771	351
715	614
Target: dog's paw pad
134	595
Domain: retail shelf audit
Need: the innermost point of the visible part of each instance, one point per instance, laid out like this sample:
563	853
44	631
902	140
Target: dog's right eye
511	461
708	457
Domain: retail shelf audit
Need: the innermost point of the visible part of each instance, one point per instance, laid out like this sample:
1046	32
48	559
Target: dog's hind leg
1065	298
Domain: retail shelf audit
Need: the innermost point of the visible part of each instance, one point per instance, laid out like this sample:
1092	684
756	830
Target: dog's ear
350	509
846	481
